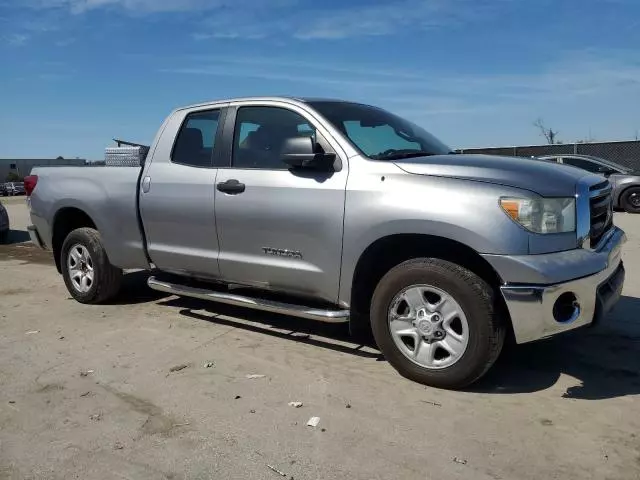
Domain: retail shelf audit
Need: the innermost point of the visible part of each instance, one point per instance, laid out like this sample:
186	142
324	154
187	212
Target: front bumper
531	306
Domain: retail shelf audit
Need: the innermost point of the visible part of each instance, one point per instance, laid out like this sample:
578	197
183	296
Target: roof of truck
285	98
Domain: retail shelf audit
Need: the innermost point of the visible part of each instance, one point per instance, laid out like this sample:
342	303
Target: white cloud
310	22
138	6
573	81
301	19
16	39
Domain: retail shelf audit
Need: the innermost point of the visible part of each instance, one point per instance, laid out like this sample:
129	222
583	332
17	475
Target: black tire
475	297
106	278
4	237
628	199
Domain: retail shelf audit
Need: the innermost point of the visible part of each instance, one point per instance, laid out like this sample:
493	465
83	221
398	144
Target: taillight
30	183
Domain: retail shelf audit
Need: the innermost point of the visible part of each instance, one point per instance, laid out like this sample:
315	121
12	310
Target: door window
196	139
260	133
582	163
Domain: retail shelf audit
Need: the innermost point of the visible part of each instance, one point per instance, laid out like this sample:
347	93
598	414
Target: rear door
177	195
279	228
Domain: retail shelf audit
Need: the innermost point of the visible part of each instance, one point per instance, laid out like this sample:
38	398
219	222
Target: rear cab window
196	140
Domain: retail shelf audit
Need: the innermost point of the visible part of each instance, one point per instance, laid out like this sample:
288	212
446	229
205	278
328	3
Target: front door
177	198
278	228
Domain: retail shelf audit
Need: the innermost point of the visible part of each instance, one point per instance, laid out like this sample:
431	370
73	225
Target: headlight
542	215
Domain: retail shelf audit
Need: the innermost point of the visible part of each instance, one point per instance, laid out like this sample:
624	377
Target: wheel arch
65	221
386	252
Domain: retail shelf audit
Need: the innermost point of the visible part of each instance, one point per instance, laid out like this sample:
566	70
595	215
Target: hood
545	178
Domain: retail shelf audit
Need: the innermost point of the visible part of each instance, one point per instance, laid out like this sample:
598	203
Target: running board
328	316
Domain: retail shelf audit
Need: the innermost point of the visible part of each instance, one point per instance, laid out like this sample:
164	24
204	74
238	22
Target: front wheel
434	321
88	274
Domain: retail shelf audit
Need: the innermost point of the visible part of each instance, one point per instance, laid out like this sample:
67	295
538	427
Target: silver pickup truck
343	212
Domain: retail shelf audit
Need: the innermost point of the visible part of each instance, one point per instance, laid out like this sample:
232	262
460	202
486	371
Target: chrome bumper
532	306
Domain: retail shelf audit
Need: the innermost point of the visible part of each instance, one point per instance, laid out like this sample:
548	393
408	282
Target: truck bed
108	195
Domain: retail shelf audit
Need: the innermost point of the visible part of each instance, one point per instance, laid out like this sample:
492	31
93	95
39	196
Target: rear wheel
88	274
630	200
434	321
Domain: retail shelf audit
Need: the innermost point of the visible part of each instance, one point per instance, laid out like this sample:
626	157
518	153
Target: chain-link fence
625	153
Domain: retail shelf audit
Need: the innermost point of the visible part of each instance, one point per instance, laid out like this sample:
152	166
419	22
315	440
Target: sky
475	73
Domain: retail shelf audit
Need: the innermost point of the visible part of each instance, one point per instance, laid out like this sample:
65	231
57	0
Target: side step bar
328	316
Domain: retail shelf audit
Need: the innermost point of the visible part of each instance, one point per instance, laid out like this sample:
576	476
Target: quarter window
196	139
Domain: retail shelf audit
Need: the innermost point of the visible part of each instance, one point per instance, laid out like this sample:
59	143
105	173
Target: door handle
146	184
232	187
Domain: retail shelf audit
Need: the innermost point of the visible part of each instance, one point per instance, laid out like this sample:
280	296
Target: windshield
378	134
610	164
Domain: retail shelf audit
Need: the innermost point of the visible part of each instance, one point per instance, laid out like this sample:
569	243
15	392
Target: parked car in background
624	181
4	224
3	190
342	212
15	188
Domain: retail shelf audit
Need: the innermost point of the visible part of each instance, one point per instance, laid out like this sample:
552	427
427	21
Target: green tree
13	177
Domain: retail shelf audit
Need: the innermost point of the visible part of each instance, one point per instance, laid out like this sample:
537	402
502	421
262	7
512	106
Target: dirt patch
26	252
13	291
50	387
157	421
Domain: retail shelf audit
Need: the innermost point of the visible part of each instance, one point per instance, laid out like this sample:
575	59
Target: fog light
566	309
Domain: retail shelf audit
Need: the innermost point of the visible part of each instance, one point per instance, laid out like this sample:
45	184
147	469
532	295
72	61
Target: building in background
22	167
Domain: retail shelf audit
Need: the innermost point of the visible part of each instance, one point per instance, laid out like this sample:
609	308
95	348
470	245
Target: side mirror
301	152
605	170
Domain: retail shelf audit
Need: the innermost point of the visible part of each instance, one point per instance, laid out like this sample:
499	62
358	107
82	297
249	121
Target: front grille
601	211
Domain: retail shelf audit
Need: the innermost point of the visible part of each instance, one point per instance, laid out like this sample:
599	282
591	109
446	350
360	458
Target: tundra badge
281	252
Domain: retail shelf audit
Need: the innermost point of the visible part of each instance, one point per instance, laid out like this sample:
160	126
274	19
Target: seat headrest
193	138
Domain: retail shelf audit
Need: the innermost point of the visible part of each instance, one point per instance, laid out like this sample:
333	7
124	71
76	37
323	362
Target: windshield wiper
399	155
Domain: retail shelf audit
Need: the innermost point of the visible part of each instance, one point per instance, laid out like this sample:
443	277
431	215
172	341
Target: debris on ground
237	397
301	336
313	422
295	404
279	472
176	425
323	429
118	446
209	365
253	376
252	411
96	417
61	338
435	404
177	368
348	405
12	401
31	332
86	373
87	394
461	461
